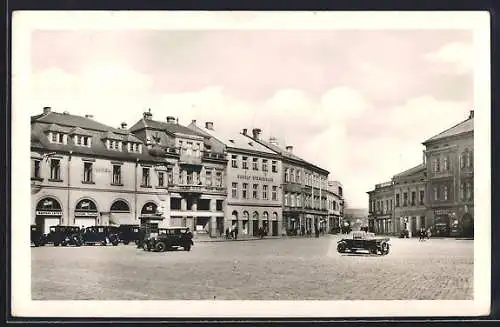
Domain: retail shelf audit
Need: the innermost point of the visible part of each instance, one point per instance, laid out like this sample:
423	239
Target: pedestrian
428	234
236	233
227	233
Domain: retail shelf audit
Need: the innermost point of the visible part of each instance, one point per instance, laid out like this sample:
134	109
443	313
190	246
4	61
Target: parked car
363	241
128	233
169	238
101	235
37	237
64	235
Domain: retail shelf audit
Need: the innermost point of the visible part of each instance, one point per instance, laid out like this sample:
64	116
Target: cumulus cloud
456	55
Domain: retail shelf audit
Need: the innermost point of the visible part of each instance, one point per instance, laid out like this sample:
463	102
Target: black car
37	237
363	241
101	235
128	233
64	235
169	238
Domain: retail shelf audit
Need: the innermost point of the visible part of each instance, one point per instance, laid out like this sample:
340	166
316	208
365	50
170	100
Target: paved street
269	269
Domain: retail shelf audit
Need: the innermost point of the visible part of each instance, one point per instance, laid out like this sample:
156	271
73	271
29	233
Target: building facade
253	179
195	180
450	179
380	211
335	204
437	194
304	190
410	211
85	173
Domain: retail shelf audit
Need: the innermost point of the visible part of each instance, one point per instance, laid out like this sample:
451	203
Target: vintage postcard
250	164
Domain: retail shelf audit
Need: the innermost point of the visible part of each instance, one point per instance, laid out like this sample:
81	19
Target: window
436	195
468	190
86	140
274	194
446	166
413	198
386	206
35	173
287	201
55	169
264	164
189	178
234	190
54	137
264	191
117	174
245	190
245	163
438	165
287	175
298	177
78	140
208	178
292	176
405	199
390	206
469	159
218	179
145	177
340	191
445	192
397	200
87	172
234	161
170	176
60	138
255	191
274	166
292	200
299	200
422	194
462	191
255	163
161	178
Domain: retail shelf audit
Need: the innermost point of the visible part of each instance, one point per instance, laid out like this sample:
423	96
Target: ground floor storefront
305	223
453	221
249	219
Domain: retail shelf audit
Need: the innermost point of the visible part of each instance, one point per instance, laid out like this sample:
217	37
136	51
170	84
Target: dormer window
81	140
134	147
56	137
114	145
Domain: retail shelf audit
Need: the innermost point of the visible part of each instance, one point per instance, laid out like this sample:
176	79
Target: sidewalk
242	238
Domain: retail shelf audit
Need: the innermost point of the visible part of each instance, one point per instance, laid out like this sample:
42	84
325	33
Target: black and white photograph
253	164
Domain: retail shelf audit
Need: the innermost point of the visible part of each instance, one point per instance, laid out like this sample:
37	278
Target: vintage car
128	233
363	241
169	238
101	235
37	237
64	235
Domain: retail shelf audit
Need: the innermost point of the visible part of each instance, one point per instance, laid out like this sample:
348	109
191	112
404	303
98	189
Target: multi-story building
253	179
86	173
195	180
410	211
450	179
380	212
439	193
304	189
335	200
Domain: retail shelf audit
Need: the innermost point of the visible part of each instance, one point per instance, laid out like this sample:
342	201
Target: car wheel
56	244
374	250
160	247
341	247
126	242
115	242
384	248
145	247
187	247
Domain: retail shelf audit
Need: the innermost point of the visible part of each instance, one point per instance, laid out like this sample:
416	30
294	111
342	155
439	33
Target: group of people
232	234
303	231
424	234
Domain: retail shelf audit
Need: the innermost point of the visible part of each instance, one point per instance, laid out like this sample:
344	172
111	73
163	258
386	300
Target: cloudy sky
356	102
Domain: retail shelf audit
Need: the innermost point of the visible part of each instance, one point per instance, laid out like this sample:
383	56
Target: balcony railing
213	155
440	174
192	188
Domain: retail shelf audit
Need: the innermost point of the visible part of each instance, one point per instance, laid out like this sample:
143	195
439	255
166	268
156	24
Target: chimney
171	119
471	114
256	133
89	116
209	125
273	140
244	132
46	110
193	121
289	148
124	125
148	115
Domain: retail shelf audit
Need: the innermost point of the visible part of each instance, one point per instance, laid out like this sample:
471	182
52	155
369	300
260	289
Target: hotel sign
48	213
442	212
85	214
255	178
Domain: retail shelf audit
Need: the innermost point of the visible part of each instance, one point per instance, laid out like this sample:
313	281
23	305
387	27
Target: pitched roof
74	121
411	171
235	141
79	131
169	127
460	128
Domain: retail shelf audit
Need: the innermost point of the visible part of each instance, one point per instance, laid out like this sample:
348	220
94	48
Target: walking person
236	233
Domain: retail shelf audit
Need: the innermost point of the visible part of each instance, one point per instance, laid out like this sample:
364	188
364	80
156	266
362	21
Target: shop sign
442	212
255	178
48	213
103	170
85	214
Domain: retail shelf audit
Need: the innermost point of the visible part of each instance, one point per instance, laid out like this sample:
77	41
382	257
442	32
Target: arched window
150	208
234	215
275	216
287	175
255	215
245	215
265	215
48	204
120	206
86	205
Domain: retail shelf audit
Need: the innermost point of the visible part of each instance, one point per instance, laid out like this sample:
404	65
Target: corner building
85	173
195	180
253	180
380	212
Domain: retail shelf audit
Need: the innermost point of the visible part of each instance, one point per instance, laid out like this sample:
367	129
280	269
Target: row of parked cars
73	235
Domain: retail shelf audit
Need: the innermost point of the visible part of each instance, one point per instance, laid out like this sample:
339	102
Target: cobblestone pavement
269	269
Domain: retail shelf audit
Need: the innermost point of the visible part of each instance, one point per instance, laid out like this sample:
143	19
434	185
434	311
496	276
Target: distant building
335	198
450	179
380	212
355	218
410	211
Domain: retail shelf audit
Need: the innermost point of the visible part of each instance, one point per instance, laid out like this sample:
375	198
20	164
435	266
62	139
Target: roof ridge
448	129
